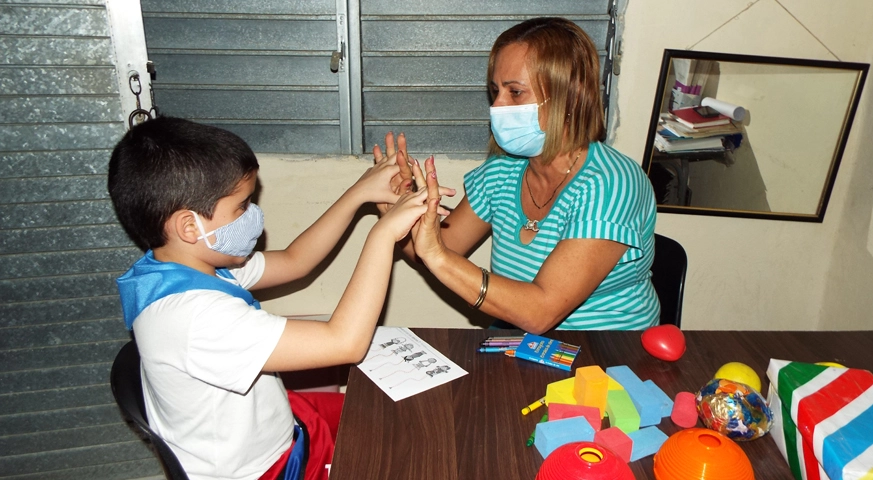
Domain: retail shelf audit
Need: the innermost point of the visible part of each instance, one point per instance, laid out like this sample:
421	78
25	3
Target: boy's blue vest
150	280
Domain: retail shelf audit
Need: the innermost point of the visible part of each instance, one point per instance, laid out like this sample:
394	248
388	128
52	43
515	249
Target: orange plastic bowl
701	454
584	461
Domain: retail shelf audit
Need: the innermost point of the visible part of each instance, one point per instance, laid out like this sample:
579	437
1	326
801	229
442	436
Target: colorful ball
740	373
733	409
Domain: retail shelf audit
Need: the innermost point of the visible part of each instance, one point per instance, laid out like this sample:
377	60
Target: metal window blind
261	69
60	247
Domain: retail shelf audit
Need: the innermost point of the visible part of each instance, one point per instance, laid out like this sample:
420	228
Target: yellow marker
830	364
533	406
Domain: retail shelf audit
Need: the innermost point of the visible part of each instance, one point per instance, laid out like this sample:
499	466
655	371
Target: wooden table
472	428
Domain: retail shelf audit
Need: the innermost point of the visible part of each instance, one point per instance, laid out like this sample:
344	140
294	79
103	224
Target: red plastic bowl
584	461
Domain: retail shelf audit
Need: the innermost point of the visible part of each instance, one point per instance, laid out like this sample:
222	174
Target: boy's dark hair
169	164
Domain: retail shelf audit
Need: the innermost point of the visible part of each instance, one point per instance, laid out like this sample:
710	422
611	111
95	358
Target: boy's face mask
516	129
238	237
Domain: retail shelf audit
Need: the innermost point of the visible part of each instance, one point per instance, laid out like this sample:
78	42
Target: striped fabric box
822	420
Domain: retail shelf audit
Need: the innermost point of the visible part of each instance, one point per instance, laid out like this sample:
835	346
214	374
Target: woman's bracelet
483	289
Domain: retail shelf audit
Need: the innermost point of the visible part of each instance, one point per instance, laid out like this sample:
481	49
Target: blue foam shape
648	405
663	398
647	441
553	434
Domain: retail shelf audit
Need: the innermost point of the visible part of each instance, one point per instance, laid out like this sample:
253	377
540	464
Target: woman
572	220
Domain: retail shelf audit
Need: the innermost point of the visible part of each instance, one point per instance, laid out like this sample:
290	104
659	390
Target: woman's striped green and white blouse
609	198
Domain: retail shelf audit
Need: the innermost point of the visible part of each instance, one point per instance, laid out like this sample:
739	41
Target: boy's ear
183	225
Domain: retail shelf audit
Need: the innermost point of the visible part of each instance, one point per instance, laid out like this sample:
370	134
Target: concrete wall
743	274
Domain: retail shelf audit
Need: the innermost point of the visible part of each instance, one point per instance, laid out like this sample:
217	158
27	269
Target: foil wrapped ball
733	409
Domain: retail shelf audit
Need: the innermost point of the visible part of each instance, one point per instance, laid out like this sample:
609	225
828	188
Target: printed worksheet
402	365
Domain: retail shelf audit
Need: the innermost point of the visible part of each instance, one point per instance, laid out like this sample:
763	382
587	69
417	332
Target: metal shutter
60	247
424	65
260	69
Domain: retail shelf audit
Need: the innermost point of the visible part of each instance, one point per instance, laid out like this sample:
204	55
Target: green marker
533	435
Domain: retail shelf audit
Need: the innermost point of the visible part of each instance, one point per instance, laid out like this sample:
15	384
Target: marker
533	406
495	349
532	438
498	343
502	340
509	353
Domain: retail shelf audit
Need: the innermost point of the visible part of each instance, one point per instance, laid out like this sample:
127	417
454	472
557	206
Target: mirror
749	136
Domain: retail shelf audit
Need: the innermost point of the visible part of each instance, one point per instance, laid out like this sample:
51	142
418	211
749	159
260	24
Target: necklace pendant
531	225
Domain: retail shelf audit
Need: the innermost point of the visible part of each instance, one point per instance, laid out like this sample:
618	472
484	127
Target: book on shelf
676	144
670	126
691	118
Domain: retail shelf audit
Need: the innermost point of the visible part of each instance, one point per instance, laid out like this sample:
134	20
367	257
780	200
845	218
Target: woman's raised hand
426	238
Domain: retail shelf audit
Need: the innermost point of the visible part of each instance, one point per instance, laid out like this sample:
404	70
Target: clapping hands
411	186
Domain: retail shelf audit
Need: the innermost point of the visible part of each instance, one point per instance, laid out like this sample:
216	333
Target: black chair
668	277
127	388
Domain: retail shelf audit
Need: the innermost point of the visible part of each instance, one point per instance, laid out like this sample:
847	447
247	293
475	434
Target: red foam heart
664	342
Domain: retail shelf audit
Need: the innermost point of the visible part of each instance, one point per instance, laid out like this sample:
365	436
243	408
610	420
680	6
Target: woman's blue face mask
237	238
516	129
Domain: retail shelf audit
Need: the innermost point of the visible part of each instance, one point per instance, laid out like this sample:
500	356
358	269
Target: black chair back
126	385
668	277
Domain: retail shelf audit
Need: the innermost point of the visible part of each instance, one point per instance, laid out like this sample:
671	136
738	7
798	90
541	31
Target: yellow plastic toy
741	373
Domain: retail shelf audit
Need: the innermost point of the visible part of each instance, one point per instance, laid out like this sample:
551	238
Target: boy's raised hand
375	185
396	153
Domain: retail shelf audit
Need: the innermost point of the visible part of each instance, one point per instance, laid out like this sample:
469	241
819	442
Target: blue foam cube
647	441
553	434
662	398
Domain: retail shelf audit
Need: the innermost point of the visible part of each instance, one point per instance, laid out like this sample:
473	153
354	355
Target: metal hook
138	116
134	77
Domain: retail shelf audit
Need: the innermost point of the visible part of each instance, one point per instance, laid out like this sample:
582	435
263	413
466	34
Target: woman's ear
183	225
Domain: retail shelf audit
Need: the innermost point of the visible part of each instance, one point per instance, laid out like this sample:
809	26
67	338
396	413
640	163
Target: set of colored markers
534	348
500	345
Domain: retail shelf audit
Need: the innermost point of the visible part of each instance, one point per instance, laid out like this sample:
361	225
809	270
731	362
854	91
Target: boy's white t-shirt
202	352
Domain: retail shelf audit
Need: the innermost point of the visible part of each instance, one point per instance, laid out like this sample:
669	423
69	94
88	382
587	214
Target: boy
183	192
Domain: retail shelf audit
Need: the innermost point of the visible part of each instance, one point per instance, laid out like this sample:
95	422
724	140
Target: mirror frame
666	63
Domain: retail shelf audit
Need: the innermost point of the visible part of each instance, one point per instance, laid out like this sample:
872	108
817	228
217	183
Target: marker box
547	351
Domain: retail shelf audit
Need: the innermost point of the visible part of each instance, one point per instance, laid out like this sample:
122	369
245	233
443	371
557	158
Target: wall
756	274
743	274
295	190
779	126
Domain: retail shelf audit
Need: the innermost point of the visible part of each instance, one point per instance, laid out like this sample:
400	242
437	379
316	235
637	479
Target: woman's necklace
533	225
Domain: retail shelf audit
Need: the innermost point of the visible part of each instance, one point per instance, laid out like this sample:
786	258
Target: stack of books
686	130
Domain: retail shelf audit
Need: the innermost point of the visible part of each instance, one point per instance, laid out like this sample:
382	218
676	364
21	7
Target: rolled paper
736	112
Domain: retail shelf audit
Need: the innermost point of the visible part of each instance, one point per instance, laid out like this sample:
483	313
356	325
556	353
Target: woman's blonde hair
565	69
